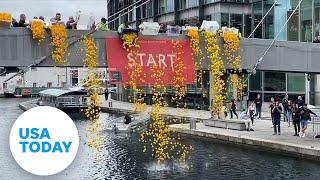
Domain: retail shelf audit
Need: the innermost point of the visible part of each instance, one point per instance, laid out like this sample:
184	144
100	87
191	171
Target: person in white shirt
244	115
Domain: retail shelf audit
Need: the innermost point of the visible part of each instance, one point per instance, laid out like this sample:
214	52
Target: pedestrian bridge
18	49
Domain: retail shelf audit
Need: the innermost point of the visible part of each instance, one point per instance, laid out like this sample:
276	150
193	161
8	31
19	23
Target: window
296	82
236	21
49	84
256	82
257	12
317	17
274	81
224	19
4	85
34	85
306	21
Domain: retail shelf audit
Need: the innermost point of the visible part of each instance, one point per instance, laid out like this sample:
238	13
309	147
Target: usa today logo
44	140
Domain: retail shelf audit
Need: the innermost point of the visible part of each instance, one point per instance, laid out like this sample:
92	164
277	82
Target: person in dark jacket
305	114
127	119
285	105
296	118
22	21
106	93
276	118
233	109
271	106
71	23
300	102
258	103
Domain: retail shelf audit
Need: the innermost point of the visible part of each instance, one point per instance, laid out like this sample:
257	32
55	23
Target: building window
306	21
257	12
296	82
49	84
317	17
224	19
236	21
34	85
5	85
256	82
274	81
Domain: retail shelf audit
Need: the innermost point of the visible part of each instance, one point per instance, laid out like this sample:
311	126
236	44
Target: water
122	158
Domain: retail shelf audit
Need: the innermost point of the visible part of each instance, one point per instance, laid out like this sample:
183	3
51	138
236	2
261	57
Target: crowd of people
70	24
293	112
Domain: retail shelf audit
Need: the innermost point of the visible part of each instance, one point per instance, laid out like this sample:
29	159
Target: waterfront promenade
261	138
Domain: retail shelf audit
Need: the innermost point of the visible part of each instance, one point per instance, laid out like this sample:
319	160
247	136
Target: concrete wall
17	48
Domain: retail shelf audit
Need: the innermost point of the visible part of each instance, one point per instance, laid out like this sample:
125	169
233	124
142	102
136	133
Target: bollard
110	104
193	123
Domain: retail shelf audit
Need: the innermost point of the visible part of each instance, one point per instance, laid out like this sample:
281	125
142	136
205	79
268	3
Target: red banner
152	52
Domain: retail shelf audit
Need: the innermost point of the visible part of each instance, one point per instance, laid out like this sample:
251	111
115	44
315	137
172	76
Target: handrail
128	12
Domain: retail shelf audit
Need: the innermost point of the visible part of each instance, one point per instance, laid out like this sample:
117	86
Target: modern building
49	77
244	15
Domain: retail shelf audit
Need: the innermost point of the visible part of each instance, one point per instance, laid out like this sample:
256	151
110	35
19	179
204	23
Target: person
300	102
251	112
285	108
71	23
163	28
22	21
103	25
289	113
106	93
244	116
258	103
42	18
225	110
184	28
296	118
271	106
316	39
123	26
276	118
127	118
56	19
305	114
233	108
15	23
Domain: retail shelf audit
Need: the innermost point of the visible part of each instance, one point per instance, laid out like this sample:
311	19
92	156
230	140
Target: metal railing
315	125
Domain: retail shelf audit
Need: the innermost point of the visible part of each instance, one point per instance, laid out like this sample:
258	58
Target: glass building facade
245	15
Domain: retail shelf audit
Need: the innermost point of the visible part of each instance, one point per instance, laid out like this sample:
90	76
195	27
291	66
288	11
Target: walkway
261	138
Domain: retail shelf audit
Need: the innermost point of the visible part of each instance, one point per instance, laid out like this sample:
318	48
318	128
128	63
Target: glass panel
257	12
236	21
183	4
170	5
296	82
293	24
269	22
317	17
247	25
255	82
274	81
306	21
224	19
280	17
192	3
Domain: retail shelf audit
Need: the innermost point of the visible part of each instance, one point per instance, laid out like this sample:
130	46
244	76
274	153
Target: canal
122	158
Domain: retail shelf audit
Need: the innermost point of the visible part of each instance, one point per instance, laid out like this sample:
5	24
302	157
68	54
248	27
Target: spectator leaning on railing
71	23
103	25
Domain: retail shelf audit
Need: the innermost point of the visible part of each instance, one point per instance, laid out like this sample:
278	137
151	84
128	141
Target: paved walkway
189	113
261	137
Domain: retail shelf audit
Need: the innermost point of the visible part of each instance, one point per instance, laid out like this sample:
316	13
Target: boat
71	101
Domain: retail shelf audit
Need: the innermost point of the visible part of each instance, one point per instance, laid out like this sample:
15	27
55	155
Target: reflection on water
122	158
